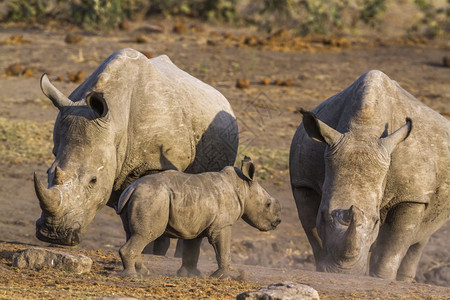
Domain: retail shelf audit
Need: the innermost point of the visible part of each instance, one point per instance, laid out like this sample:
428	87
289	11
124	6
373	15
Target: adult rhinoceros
133	116
379	181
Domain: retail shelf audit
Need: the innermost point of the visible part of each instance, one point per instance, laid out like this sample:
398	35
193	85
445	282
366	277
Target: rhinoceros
370	173
133	116
191	206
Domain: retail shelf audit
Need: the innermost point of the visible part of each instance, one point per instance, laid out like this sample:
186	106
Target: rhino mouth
57	235
275	223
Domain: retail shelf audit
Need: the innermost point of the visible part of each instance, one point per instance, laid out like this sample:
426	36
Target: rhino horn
59	176
47	197
49	90
352	242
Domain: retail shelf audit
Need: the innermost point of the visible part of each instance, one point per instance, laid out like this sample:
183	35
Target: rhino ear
392	140
247	168
97	103
318	130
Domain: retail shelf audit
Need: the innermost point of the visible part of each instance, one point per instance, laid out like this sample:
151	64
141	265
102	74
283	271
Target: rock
150	28
281	291
446	61
73	38
179	28
140	39
265	81
38	258
15	69
124	25
439	275
242	83
76	77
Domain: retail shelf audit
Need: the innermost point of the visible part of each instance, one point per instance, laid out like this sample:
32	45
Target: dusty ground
267	119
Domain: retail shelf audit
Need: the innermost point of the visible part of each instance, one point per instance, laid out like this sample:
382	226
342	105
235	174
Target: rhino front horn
352	242
48	198
49	90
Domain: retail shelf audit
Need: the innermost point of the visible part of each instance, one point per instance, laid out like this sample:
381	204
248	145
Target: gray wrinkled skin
370	171
190	207
133	116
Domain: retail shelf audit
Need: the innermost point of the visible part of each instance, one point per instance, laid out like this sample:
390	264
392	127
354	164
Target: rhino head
75	191
261	210
356	168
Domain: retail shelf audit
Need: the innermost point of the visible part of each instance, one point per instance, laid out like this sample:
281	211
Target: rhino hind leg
394	243
408	267
308	202
191	253
130	253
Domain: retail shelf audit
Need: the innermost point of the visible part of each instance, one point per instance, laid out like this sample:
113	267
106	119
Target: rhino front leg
191	252
308	202
408	267
221	243
394	240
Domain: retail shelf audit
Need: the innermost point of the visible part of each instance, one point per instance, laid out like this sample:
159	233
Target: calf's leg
394	240
221	243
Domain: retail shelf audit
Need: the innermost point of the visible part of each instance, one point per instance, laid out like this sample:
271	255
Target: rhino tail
123	200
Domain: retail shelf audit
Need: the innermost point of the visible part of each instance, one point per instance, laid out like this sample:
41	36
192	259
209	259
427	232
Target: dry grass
25	141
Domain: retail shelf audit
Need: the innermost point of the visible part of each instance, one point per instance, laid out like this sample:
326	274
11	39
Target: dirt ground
307	71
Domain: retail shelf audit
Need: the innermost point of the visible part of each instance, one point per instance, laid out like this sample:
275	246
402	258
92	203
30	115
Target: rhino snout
276	223
50	233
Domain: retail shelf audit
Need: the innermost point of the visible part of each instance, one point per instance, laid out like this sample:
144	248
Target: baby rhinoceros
192	206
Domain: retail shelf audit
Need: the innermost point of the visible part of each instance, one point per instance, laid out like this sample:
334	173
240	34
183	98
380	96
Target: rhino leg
130	253
191	252
408	267
161	245
221	243
394	240
308	202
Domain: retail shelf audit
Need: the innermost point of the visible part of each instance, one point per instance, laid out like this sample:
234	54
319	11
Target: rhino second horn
49	90
352	242
59	176
48	198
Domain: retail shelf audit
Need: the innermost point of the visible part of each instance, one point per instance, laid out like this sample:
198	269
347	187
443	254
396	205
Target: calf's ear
247	168
318	130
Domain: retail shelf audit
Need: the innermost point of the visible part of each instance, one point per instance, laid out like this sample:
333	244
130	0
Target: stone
242	83
281	291
39	258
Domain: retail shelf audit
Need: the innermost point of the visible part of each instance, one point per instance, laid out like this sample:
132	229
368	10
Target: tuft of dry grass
25	141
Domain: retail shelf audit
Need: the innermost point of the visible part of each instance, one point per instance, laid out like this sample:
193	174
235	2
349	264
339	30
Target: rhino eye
268	204
93	180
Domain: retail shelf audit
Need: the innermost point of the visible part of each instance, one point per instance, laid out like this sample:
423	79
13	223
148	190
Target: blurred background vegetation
303	17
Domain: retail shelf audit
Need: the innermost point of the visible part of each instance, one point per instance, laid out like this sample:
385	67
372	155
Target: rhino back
163	117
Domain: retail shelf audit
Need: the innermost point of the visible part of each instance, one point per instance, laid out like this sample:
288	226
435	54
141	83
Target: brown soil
267	118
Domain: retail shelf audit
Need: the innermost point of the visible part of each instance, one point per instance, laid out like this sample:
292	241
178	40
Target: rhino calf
189	207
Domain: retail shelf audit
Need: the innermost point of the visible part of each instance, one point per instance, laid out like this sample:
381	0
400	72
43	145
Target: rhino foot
127	273
221	274
187	272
